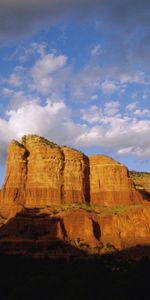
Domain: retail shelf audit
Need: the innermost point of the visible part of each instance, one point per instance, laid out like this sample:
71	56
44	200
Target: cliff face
12	195
40	173
127	229
110	183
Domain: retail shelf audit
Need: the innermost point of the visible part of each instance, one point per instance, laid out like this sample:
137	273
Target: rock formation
56	195
40	173
110	183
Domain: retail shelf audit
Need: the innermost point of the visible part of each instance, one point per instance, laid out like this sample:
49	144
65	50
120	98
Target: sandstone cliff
40	173
110	183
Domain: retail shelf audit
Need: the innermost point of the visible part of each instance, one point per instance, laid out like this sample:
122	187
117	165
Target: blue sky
77	72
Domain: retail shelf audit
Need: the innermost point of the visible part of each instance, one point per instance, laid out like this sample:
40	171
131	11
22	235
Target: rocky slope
57	201
75	231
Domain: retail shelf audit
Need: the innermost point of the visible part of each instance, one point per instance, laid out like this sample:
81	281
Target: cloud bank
101	126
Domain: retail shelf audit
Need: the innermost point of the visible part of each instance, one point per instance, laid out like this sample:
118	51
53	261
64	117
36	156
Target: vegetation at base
103	278
97	209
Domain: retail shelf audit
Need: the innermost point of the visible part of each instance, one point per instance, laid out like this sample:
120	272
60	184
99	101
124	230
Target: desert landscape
74	149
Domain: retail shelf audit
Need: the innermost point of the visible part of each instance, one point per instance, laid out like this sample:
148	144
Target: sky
77	73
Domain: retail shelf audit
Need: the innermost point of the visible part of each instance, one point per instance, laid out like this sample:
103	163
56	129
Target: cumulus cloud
125	130
99	127
142	112
91	115
44	71
109	87
51	120
111	108
124	133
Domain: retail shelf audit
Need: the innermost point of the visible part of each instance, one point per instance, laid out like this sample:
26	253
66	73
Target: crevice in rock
87	181
62	176
96	229
63	229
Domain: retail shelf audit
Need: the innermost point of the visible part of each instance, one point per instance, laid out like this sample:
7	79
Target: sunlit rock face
40	173
110	183
12	195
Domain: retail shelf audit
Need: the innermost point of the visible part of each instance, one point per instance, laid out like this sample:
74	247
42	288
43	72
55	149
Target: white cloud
111	108
109	87
91	115
97	50
137	77
142	112
127	150
103	128
7	92
15	80
131	106
51	120
105	125
45	72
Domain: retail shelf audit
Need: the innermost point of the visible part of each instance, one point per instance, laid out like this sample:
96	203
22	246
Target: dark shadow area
145	195
36	234
87	181
91	278
69	273
96	230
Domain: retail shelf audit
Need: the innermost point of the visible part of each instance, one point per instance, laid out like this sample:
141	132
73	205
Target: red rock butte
56	192
40	173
